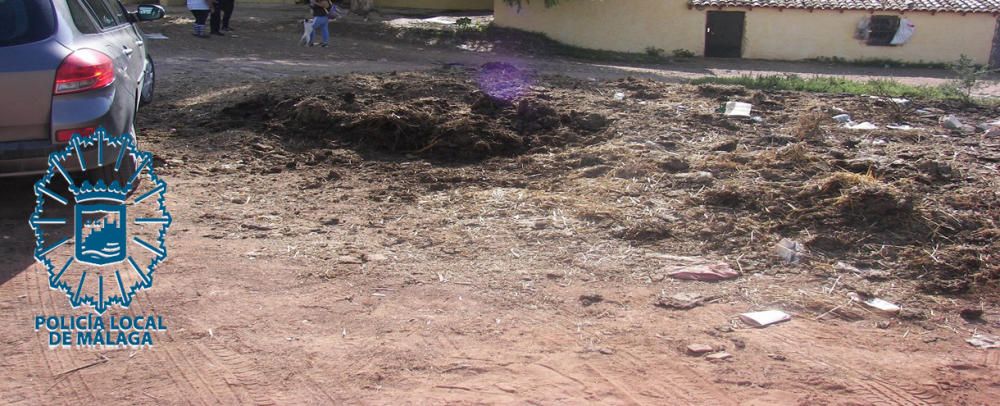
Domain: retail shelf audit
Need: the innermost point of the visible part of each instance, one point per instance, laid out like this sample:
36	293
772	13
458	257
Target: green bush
967	76
682	53
655	52
879	62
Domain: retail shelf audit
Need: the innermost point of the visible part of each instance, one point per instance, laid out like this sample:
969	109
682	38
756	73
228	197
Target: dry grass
810	126
599	203
796	154
842	181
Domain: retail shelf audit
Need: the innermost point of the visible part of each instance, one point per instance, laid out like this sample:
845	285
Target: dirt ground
383	222
266	49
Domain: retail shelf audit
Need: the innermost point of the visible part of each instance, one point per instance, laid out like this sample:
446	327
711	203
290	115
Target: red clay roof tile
955	6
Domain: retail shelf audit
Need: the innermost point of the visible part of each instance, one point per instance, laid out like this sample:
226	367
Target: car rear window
105	16
80	18
116	9
24	21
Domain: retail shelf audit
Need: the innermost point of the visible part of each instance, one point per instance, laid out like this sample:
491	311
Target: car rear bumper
97	108
19	158
25	158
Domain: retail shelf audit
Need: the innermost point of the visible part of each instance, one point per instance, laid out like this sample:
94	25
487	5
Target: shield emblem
100	233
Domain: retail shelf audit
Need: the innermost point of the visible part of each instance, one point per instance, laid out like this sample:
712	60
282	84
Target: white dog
336	13
307	34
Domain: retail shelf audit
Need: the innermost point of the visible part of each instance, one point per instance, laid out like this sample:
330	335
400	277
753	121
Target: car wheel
122	175
148	82
108	173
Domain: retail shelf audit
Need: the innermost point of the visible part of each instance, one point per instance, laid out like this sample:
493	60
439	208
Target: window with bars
881	29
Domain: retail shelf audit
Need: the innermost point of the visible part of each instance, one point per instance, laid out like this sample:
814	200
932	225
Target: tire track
364	363
234	371
192	373
624	390
675	383
179	385
900	394
223	373
248	376
40	347
81	382
669	391
318	390
683	382
878	390
44	295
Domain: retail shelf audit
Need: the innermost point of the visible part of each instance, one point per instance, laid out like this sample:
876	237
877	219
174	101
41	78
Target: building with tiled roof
930	31
934	6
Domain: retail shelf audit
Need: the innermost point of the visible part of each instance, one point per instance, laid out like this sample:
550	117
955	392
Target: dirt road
312	262
267	49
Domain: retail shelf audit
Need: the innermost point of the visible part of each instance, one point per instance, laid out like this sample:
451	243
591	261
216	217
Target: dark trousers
223	11
199	21
200	16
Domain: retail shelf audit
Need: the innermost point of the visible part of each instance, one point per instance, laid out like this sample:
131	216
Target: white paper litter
765	318
882	305
860	126
894	100
984	341
737	109
719	356
901	127
154	35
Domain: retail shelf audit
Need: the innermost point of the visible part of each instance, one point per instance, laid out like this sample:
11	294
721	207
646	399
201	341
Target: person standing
321	19
200	9
215	20
227	7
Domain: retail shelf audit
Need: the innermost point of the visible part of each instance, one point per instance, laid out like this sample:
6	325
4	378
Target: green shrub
655	52
879	62
682	53
967	76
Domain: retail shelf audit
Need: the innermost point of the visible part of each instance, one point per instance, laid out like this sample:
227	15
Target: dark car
68	66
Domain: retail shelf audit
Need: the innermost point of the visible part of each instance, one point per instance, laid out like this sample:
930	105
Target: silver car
68	66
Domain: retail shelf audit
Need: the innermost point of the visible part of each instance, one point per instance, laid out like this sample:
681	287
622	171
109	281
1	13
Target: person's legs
227	12
326	29
321	24
215	19
199	21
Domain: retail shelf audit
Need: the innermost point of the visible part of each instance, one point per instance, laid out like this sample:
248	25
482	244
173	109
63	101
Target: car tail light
65	135
84	70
